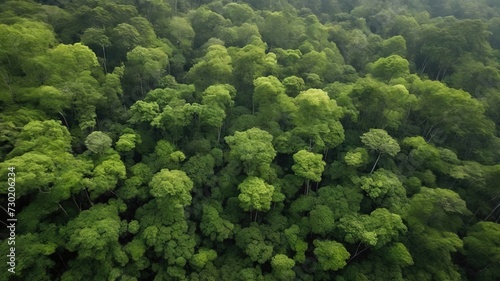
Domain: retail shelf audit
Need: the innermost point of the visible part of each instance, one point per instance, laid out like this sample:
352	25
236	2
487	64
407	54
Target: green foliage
322	220
251	241
214	68
438	208
383	184
213	225
376	229
391	67
172	185
106	176
255	194
32	256
316	119
201	258
331	255
359	137
42	136
308	165
254	149
356	157
94	233
380	141
127	142
282	267
98	142
483	249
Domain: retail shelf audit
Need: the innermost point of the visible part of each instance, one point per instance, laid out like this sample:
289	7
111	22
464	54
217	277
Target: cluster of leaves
258	140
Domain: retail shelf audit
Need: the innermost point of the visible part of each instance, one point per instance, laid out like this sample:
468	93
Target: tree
181	33
331	255
31	248
451	111
374	231
282	267
385	189
316	120
434	216
215	67
293	85
22	42
378	140
380	105
309	166
42	136
127	142
483	249
255	194
145	66
172	185
125	37
281	29
96	36
216	101
204	23
254	150
357	157
94	233
106	176
213	225
251	241
98	142
204	256
238	13
394	46
390	67
250	63
71	69
322	220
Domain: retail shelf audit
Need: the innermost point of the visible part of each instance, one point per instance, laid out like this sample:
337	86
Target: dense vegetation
343	140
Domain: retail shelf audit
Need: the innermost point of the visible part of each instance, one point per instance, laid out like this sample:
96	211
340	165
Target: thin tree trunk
424	65
63	209
64	118
105	59
79	207
444	74
491	213
358	252
142	89
439	72
376	161
88	197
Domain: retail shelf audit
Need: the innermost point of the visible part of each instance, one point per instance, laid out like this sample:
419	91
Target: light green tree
317	120
380	141
173	185
309	166
98	142
282	267
253	149
255	195
331	255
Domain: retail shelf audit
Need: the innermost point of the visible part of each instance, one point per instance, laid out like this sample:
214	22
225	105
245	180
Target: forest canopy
250	140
